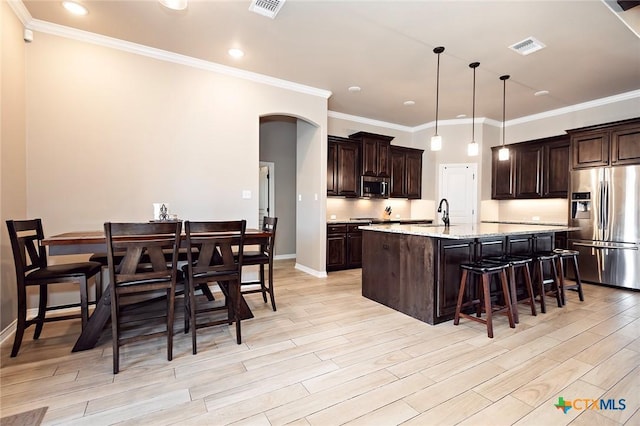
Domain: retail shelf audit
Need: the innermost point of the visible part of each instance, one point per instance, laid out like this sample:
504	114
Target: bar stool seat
564	254
539	259
517	263
484	270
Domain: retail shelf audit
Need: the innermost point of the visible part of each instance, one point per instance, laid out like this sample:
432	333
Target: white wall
13	178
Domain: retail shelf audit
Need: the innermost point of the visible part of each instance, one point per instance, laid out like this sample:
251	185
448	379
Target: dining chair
32	269
214	242
143	272
263	256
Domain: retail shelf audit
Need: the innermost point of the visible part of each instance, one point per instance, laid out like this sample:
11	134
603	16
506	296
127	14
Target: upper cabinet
535	169
374	154
611	144
406	172
343	174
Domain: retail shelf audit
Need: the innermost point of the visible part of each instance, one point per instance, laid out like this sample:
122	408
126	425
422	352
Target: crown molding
369	121
21	11
163	55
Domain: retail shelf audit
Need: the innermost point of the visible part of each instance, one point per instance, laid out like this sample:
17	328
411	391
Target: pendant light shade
503	153
174	4
472	148
436	139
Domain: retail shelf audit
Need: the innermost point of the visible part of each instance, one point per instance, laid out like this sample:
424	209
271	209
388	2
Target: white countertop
466	231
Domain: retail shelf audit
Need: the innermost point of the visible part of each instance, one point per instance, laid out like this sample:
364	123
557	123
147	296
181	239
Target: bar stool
539	259
564	254
484	270
517	264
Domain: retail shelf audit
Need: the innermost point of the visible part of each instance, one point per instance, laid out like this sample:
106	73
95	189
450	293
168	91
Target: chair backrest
28	253
144	246
215	242
270	224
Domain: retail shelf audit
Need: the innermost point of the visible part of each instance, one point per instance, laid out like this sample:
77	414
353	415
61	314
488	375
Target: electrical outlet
535	218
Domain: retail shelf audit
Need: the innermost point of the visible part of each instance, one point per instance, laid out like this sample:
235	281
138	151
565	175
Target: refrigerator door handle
608	246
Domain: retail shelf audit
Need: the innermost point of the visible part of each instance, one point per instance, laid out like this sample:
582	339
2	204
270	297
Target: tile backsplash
345	208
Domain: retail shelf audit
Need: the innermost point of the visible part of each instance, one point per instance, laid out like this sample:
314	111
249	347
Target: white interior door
266	204
459	186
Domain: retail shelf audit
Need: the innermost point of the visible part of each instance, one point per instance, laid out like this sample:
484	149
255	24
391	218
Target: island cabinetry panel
451	253
400	272
609	144
375	153
343	174
406	172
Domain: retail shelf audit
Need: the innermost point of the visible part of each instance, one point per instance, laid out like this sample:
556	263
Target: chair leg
115	328
171	298
21	322
238	297
557	284
42	309
84	301
192	317
578	280
463	283
507	298
527	280
561	270
487	304
540	275
514	294
273	300
263	288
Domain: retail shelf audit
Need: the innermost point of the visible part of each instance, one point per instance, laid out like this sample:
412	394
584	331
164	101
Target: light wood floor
329	356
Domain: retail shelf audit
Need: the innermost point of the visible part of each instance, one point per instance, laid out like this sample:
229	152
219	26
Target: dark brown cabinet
375	153
406	172
529	171
535	169
451	254
610	144
343	174
502	176
344	246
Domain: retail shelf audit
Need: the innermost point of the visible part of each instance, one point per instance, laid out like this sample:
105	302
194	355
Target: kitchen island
414	269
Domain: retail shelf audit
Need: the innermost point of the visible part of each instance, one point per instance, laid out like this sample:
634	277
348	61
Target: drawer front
337	229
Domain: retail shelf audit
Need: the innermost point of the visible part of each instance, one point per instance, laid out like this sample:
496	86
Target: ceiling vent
528	45
269	8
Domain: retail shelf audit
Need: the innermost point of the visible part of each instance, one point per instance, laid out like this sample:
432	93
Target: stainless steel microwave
374	187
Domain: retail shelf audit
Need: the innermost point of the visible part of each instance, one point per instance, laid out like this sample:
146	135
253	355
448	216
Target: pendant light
436	139
503	153
472	148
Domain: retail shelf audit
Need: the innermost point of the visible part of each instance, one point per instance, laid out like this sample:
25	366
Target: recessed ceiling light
354	89
541	93
409	103
174	4
236	53
75	8
461	115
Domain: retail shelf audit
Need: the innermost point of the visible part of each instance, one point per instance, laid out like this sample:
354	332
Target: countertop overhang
467	231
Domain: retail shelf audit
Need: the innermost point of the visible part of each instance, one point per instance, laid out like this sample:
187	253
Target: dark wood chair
569	255
215	243
262	257
32	269
139	270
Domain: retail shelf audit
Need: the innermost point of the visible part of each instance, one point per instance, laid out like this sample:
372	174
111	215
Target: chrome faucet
445	214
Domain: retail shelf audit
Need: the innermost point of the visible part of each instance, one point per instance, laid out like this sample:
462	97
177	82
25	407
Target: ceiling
386	48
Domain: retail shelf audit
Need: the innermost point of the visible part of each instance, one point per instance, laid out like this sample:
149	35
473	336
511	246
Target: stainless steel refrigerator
605	205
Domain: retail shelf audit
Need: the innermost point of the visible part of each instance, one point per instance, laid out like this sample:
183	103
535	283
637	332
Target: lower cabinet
344	246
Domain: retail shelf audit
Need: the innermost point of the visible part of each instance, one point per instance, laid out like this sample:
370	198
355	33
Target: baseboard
284	256
313	272
31	313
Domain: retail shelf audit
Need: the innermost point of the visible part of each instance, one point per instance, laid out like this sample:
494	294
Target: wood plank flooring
328	356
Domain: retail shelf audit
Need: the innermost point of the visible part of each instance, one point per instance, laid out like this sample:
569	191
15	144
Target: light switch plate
246	195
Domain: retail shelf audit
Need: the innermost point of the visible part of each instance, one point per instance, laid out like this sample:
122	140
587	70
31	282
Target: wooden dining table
87	242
